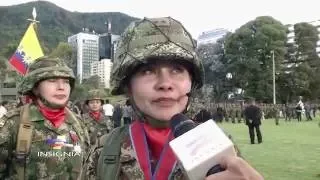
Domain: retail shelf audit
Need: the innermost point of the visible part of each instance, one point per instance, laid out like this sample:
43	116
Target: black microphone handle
215	169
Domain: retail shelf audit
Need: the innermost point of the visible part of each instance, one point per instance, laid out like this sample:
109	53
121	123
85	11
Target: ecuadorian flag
28	50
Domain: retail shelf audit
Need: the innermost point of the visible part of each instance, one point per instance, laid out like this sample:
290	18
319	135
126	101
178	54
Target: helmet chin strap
154	122
141	116
51	105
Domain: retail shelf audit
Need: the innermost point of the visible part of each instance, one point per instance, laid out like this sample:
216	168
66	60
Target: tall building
102	68
86	47
291	35
107	45
211	36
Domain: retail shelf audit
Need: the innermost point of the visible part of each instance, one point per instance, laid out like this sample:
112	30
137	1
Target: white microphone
199	148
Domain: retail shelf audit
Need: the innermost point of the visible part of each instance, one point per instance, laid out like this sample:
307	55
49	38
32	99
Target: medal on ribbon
74	137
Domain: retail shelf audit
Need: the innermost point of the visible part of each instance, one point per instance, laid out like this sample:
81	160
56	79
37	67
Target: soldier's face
55	90
95	105
160	89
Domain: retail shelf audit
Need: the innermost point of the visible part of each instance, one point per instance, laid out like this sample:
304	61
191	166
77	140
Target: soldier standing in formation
44	139
287	112
307	111
233	113
276	113
98	125
253	115
239	113
156	66
314	110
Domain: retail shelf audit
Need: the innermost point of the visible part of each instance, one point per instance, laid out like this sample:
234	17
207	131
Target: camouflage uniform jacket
98	131
44	161
129	167
98	128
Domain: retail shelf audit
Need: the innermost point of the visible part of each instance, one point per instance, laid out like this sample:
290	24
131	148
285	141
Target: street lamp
273	78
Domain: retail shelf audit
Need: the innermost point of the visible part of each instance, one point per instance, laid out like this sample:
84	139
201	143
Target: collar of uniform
35	116
70	117
87	118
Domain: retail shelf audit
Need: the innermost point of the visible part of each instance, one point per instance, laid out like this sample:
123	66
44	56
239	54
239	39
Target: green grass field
290	151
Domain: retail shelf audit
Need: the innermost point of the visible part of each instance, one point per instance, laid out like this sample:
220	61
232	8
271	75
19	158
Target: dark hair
106	101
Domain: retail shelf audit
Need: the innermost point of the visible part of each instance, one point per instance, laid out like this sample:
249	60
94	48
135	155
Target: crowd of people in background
233	112
121	112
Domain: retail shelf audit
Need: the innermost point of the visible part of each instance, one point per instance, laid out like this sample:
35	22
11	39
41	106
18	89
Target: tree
92	82
248	56
8	51
65	52
301	69
306	38
79	92
212	56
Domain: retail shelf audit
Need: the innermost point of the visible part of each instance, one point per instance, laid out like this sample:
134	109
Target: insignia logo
57	143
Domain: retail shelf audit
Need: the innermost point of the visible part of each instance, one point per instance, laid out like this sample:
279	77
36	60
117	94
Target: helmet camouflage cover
156	38
45	68
96	94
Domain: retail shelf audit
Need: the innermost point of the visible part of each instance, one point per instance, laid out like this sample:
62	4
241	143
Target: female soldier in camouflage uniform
156	66
98	125
43	139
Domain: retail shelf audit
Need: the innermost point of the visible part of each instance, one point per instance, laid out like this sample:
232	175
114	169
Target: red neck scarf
55	116
96	115
157	138
148	141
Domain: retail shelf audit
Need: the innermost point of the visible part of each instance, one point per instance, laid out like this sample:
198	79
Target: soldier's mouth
60	96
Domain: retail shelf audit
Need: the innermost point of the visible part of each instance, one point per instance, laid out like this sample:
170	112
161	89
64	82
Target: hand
235	168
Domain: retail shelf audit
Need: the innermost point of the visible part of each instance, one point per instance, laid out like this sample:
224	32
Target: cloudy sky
199	15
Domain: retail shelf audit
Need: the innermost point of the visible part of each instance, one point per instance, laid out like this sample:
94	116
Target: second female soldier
98	126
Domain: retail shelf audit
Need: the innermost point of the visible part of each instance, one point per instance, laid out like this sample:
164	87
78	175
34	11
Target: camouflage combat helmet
156	38
45	68
95	94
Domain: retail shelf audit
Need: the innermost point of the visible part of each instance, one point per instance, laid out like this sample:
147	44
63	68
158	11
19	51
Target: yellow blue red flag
28	50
